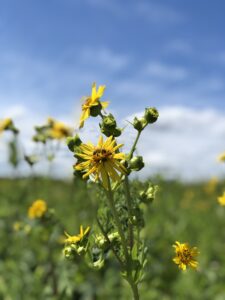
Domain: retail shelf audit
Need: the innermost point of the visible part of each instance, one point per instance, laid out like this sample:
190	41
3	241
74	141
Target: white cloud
183	143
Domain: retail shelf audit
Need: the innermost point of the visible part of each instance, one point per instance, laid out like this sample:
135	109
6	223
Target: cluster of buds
7	124
148	195
150	116
102	243
109	126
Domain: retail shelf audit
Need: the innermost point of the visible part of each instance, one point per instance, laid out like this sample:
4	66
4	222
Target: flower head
5	124
58	130
185	256
102	161
221	157
221	199
73	239
37	209
92	102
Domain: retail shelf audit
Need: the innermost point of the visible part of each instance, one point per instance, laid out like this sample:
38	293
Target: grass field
32	265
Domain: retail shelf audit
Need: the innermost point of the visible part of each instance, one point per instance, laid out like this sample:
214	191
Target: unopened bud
136	163
109	126
151	115
69	252
149	194
73	142
139	124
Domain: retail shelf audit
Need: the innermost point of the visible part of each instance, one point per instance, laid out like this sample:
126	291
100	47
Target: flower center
185	255
101	155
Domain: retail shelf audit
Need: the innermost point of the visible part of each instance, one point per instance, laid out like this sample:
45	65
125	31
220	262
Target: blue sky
169	54
164	47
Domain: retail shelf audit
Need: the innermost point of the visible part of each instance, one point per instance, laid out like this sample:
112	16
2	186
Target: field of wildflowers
104	235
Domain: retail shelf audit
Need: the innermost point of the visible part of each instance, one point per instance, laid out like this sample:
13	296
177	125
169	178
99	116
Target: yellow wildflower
5	124
102	161
37	209
58	130
92	101
221	157
73	239
185	256
221	199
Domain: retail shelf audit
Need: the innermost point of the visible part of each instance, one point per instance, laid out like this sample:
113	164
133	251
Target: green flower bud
69	252
73	142
109	122
151	115
136	163
109	126
149	194
137	124
117	132
100	241
81	250
95	110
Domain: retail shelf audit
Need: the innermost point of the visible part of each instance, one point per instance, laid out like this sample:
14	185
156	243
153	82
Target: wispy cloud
159	13
165	71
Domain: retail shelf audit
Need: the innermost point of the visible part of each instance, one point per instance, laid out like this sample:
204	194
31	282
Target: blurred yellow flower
221	199
221	157
58	130
5	124
101	161
37	209
92	101
185	256
211	185
73	239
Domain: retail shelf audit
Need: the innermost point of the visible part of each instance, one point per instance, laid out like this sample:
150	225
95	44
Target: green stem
117	220
134	290
130	214
134	145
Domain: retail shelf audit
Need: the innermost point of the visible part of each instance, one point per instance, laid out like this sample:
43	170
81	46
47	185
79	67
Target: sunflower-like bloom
58	130
101	162
221	199
37	209
92	101
221	157
185	256
73	239
5	124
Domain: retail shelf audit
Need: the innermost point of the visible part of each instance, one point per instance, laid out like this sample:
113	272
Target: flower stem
134	288
130	214
117	220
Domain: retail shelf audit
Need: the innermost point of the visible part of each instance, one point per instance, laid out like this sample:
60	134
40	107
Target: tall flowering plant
119	218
